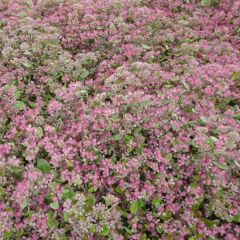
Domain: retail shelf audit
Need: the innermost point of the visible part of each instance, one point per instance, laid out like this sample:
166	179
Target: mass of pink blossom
120	119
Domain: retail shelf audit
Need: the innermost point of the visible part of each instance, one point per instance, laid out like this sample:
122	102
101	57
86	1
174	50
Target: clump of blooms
119	119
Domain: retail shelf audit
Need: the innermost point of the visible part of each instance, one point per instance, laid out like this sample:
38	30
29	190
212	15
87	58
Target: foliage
119	119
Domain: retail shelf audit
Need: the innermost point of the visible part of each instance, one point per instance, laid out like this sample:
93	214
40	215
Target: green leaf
194	185
20	233
54	205
90	41
211	141
43	165
140	203
67	216
115	118
117	137
7	235
91	201
63	237
68	193
203	120
185	85
25	203
156	202
146	47
166	215
196	177
16	170
84	74
143	237
169	156
32	104
128	139
52	223
210	224
2	192
51	215
128	230
20	105
222	166
193	238
119	190
134	207
206	3
78	181
93	229
107	200
27	53
39	132
236	218
195	207
210	3
236	76
49	197
27	65
18	94
105	231
92	189
160	229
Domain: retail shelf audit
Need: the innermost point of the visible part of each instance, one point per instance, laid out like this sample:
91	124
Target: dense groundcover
119	119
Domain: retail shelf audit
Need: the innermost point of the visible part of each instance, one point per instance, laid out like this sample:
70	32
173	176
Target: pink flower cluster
119	119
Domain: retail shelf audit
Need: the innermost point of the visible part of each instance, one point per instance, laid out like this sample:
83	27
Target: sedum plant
119	119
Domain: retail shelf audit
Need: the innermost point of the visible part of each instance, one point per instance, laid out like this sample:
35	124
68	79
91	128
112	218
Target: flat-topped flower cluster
119	119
